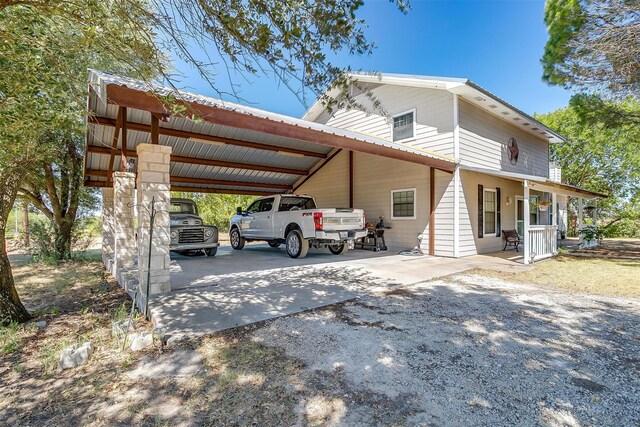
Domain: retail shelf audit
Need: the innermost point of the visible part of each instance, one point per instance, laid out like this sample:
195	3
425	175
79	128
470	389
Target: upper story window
404	125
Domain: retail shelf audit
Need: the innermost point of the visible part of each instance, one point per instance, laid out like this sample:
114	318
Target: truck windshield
296	203
182	207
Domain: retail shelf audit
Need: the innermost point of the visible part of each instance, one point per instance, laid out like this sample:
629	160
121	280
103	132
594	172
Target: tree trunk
63	239
11	308
25	223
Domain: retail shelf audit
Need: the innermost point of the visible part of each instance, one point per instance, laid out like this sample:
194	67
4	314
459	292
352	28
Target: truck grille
191	235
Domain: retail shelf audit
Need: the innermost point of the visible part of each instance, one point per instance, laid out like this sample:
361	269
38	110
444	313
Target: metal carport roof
225	148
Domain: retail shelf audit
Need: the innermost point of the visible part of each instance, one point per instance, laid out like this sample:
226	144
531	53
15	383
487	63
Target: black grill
192	235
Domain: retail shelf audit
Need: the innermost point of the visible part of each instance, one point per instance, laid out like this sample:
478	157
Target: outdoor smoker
374	240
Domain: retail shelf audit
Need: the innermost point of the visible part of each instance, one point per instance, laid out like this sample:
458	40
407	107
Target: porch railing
543	241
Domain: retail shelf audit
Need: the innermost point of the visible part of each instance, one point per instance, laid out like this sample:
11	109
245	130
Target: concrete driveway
236	288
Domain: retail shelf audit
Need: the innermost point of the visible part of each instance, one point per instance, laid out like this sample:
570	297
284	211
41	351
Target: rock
74	356
40	324
122	327
142	341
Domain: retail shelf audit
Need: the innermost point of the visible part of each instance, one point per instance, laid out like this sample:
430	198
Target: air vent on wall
517	119
526	124
493	106
478	98
505	113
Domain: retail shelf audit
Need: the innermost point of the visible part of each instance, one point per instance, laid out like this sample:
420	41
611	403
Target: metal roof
464	87
539	182
253	151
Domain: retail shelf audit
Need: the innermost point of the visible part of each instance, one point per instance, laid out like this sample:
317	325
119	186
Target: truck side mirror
239	210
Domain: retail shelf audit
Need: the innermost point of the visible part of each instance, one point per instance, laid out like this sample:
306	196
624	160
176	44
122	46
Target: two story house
504	179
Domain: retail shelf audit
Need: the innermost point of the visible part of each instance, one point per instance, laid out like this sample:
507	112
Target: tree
216	209
594	49
600	157
44	56
56	189
593	45
46	47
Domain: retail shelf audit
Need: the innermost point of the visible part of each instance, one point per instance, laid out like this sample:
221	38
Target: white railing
543	241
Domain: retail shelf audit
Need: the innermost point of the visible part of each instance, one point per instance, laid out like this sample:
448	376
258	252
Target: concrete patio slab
237	288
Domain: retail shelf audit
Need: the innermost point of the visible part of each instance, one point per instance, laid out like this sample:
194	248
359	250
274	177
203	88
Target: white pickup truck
296	222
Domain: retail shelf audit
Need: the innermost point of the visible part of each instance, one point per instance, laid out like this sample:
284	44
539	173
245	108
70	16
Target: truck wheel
211	251
339	249
237	241
297	246
274	244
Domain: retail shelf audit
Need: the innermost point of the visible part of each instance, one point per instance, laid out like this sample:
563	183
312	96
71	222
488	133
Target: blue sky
496	44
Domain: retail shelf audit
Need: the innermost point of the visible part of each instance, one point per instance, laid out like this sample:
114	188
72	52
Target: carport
145	140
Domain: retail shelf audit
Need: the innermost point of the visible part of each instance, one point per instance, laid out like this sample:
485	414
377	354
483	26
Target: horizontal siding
484	138
373	179
330	186
508	188
434	116
443	214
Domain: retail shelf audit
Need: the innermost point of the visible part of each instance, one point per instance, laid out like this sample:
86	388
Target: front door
520	216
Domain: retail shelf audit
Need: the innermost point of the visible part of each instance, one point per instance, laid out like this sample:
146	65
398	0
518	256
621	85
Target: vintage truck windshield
299	203
185	208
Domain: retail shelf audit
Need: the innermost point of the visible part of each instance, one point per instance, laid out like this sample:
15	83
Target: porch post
525	205
124	234
580	215
153	185
595	212
555	210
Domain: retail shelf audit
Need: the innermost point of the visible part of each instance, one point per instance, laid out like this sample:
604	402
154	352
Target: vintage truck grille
191	235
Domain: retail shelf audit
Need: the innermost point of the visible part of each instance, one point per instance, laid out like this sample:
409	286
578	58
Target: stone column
153	184
124	232
107	227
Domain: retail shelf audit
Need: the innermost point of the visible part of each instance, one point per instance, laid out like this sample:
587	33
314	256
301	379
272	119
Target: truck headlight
208	233
174	235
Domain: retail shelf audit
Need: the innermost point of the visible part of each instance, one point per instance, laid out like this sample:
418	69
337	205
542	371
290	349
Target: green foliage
217	209
10	338
602	157
43	247
591	232
593	45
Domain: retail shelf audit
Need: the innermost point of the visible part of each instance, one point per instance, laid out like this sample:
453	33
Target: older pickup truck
296	222
187	232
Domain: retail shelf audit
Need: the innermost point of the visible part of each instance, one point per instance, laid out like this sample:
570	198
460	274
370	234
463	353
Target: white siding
508	189
444	214
373	179
434	116
484	138
330	186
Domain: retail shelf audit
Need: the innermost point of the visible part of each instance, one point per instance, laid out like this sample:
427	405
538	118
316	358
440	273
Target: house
449	167
503	179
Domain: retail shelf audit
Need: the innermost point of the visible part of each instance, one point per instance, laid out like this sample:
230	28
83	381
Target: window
296	203
489	215
403	204
254	207
404	126
267	205
183	207
533	210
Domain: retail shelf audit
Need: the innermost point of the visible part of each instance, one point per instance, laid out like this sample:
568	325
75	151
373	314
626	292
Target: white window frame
415	117
415	204
495	212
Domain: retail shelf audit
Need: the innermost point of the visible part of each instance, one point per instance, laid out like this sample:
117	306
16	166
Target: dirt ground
470	349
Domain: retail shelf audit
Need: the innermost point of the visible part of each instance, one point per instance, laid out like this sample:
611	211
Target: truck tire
274	243
237	241
211	251
297	246
339	249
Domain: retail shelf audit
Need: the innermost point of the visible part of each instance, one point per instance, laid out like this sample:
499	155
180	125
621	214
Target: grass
598	276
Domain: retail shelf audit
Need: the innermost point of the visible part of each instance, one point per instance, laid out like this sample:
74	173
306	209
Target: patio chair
511	238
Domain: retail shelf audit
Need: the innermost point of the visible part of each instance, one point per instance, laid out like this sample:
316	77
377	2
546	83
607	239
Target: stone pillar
124	232
107	227
153	184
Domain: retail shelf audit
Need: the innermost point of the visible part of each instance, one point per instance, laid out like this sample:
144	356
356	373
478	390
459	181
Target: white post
107	228
580	216
556	211
525	205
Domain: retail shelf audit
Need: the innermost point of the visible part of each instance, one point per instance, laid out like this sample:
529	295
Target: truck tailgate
342	219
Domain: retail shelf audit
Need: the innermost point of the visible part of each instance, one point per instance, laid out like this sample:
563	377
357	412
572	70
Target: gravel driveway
467	350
